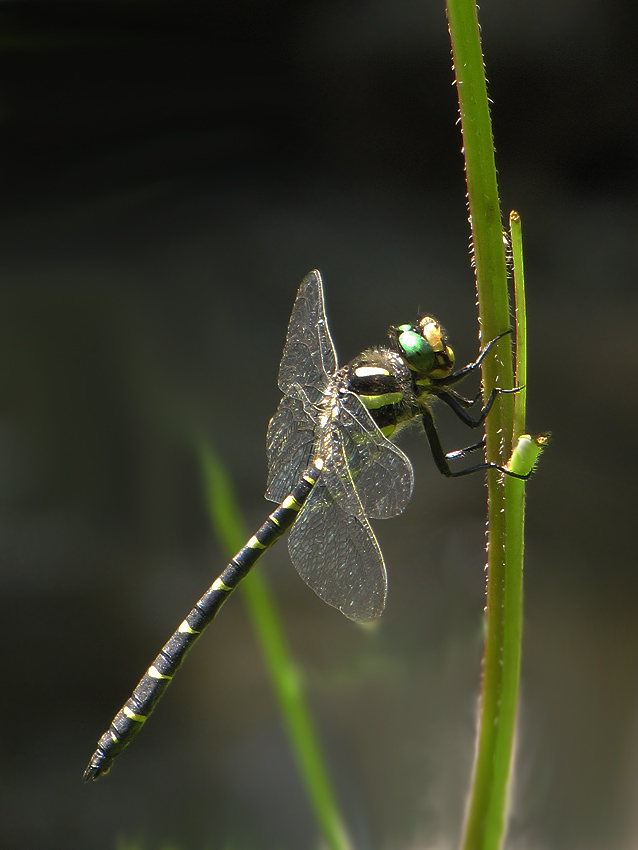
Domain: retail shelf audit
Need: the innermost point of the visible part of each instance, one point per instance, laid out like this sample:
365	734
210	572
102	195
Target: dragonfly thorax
385	384
394	382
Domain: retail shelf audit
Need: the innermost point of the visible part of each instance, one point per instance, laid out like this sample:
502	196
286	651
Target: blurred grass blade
229	528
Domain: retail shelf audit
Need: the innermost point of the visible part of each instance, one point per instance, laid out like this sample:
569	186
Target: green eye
417	351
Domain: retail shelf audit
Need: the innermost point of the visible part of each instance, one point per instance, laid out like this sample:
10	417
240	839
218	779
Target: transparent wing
309	357
381	472
334	549
289	446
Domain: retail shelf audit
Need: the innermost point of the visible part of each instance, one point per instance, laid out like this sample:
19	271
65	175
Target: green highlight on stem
286	680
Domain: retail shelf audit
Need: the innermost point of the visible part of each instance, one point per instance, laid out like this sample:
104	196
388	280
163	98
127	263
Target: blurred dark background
170	171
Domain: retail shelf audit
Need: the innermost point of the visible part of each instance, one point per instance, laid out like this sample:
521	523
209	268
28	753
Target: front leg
457	376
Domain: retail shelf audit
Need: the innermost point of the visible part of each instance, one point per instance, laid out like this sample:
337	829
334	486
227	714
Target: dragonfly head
424	347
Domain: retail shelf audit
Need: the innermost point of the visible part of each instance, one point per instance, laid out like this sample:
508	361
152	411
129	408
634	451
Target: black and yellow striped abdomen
131	717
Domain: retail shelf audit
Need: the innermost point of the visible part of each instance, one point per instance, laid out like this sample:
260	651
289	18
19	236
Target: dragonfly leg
441	459
463	401
465	451
457	405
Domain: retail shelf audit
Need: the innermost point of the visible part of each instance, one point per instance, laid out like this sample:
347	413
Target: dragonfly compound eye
416	350
425	349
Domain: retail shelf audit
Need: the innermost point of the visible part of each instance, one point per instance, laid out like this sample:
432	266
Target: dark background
170	171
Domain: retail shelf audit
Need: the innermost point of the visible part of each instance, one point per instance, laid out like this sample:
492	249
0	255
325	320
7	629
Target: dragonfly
332	466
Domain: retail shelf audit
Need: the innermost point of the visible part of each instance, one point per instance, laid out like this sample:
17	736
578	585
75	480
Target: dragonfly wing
335	551
309	357
289	446
380	471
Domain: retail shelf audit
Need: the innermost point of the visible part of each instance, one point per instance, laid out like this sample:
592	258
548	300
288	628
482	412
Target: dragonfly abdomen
131	717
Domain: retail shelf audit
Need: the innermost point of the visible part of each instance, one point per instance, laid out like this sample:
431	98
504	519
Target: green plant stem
487	805
514	554
284	675
522	463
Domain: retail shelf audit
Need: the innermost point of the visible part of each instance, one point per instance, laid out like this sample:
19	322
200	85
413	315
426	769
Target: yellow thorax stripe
373	402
